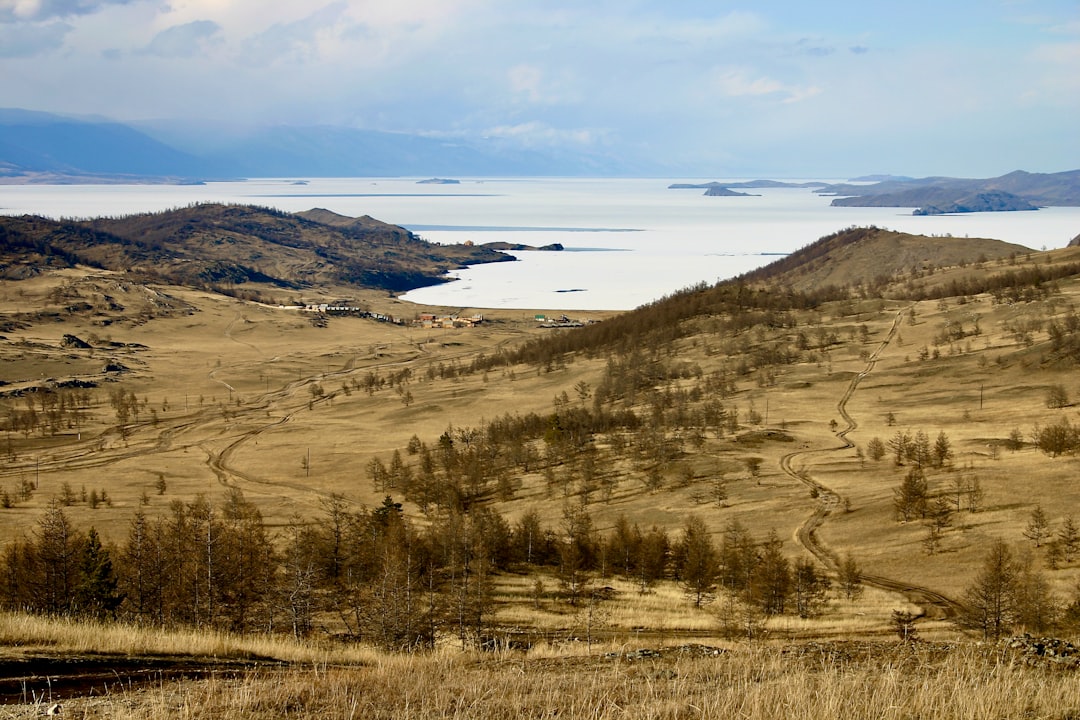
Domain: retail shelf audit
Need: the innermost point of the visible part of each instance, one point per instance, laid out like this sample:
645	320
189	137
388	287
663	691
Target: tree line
373	574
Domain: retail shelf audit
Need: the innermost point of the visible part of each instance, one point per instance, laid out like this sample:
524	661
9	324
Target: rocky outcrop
71	341
1037	650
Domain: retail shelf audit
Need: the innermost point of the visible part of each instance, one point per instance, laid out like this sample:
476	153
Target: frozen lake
628	241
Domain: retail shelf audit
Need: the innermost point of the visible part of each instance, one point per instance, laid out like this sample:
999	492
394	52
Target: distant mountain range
1017	190
44	147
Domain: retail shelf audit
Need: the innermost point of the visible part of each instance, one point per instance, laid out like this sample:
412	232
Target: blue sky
956	87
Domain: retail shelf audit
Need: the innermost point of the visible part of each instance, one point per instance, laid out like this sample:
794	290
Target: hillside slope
865	256
207	244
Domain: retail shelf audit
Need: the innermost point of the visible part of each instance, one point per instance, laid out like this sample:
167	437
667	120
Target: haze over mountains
48	147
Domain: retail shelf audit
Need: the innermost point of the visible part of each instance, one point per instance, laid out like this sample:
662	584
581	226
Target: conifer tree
96	591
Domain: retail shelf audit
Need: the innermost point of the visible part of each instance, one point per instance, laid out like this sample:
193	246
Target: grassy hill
225	246
876	261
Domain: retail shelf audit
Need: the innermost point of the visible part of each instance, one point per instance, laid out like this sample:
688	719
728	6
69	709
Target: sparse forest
748	464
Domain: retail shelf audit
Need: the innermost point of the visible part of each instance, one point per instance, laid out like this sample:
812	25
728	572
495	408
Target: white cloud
525	80
537	134
297	41
1056	73
735	24
29	39
738	82
184	40
39	10
1071	27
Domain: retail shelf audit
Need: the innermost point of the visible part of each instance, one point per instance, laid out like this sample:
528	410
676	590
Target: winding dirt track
199	429
933	604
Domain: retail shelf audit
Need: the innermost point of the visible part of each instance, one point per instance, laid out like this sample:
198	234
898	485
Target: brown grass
850	681
29	635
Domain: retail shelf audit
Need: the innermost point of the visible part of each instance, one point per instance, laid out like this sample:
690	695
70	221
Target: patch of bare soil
47	679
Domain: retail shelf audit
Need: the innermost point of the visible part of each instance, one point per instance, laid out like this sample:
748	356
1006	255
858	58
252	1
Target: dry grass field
851	679
237	394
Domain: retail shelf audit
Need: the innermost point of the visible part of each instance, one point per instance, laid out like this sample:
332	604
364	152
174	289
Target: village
425	320
322	311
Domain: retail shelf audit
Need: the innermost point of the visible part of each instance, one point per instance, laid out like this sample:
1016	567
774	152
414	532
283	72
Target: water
630	241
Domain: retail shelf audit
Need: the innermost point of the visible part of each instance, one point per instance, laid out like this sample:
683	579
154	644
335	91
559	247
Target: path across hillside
933	603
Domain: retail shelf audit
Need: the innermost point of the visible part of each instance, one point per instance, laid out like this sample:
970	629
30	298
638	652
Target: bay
628	241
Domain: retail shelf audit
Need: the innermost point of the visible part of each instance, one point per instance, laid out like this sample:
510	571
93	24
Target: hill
51	147
863	262
875	256
221	245
1039	189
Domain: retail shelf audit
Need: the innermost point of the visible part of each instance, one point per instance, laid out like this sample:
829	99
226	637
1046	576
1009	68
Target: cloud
1054	73
533	83
40	10
806	46
296	41
1071	27
739	83
537	134
29	39
185	40
525	80
738	23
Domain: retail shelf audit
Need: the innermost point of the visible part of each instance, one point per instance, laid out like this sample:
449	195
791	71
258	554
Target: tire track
933	603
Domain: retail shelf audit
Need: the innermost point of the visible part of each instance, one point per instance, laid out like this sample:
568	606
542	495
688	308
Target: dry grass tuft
28	635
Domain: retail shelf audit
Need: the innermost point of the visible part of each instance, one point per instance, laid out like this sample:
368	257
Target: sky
788	88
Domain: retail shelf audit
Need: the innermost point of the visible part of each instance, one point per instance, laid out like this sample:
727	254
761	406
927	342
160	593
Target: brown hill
231	244
852	263
875	256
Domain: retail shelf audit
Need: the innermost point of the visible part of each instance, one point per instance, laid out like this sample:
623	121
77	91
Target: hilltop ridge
237	244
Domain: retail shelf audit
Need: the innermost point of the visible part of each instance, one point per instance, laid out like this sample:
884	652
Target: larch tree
96	594
772	580
1068	538
990	603
698	571
1038	527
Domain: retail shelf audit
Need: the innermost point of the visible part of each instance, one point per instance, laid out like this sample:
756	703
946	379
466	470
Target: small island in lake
979	202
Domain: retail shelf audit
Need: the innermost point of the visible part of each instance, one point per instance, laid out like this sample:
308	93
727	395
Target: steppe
292	408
